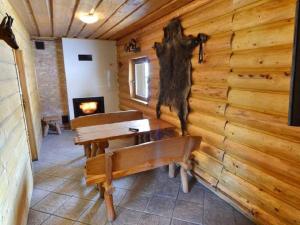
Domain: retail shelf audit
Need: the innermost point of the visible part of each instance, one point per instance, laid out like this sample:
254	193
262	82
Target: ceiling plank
104	11
147	8
157	14
62	15
25	13
41	11
84	7
124	11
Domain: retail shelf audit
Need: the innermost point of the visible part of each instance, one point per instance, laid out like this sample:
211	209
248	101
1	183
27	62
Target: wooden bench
103	168
51	120
105	118
99	119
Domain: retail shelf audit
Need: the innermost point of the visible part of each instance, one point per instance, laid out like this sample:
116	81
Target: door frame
20	66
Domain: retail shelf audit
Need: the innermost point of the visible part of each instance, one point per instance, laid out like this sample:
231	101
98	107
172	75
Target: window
139	78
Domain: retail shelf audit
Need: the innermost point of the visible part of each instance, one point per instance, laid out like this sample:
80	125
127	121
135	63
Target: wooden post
172	168
184	180
46	129
108	197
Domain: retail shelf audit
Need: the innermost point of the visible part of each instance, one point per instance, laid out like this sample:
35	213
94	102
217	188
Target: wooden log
269	144
274	34
218	92
217	25
215	61
264	180
212	151
254	195
278	59
207	136
276	125
210	75
208	107
207	163
209	11
215	124
259	216
267	12
271	103
202	175
287	171
264	81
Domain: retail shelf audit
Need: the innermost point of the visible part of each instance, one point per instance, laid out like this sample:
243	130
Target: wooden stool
53	120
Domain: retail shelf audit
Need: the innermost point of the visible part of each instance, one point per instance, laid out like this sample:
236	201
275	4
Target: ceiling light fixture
89	18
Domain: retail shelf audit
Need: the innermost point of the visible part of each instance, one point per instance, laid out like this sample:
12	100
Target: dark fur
174	54
6	32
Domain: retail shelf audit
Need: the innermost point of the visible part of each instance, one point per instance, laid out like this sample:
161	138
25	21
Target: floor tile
118	195
127	216
161	206
47	183
180	222
36	218
188	211
38	195
240	219
72	208
95	214
196	195
54	220
168	188
126	182
217	211
51	203
150	219
135	201
60	170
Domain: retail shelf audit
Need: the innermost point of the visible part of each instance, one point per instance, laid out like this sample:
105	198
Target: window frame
133	93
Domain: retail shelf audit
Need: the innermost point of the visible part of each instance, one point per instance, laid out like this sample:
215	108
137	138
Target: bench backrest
129	160
105	118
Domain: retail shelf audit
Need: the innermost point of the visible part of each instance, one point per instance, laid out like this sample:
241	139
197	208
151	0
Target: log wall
238	102
15	162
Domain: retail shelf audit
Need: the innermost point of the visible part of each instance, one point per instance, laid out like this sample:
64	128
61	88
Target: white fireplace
91	70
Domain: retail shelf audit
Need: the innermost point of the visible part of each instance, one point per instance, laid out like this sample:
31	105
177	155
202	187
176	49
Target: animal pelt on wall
174	54
6	32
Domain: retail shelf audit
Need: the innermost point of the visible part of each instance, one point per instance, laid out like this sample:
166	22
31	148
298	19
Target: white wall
91	78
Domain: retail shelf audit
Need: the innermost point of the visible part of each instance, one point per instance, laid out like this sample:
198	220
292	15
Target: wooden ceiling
60	18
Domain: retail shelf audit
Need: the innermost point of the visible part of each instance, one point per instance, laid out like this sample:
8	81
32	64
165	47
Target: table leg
184	180
172	168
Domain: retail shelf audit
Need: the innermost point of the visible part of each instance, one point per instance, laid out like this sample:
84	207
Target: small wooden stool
53	120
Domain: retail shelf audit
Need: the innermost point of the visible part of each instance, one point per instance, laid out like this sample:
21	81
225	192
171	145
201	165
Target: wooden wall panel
238	102
15	171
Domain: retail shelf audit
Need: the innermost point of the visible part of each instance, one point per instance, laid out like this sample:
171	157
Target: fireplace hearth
88	106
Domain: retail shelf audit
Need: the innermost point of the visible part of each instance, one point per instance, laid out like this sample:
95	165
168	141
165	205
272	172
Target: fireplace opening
88	106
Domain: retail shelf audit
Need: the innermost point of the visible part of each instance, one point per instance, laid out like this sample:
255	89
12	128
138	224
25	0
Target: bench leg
110	210
101	190
184	180
172	168
46	129
58	128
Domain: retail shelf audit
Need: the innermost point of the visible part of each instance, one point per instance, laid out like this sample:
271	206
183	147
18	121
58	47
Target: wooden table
94	138
105	132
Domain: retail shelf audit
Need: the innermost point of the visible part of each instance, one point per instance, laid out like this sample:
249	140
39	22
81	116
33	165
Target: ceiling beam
147	19
104	10
62	15
41	12
148	8
82	8
73	17
120	14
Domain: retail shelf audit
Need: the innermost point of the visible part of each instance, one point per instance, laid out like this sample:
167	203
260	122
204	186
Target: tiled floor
60	196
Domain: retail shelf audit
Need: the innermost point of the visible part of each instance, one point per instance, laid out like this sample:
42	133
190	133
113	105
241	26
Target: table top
119	130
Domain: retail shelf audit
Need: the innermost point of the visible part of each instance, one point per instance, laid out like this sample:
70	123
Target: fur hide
174	54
